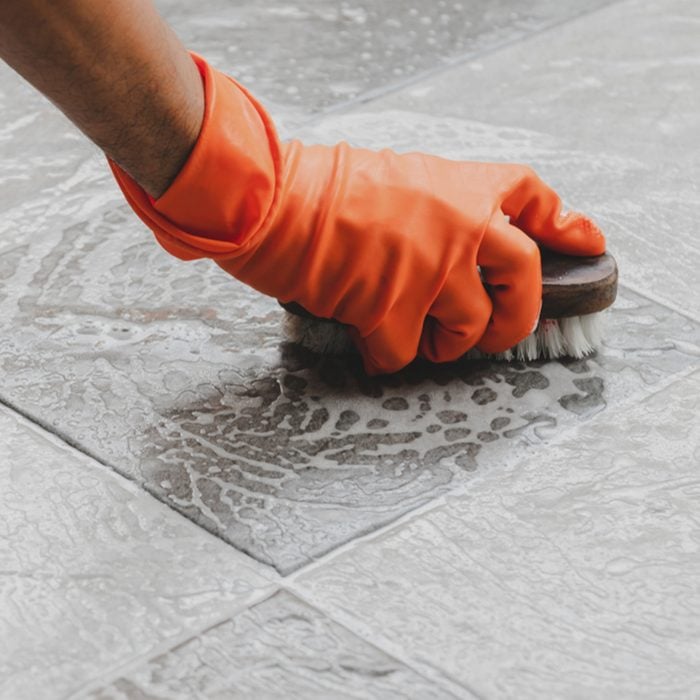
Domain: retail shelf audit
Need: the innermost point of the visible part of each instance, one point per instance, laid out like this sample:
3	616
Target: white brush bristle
550	339
575	337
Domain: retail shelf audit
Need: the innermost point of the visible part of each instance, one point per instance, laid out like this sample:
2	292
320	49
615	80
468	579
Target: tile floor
192	507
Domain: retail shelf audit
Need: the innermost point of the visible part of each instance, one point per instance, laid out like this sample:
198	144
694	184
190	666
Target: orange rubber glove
418	254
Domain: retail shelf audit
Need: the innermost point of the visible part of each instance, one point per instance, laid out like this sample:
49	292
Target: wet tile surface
622	84
179	377
319	53
298	59
576	553
94	572
48	170
574	573
278	648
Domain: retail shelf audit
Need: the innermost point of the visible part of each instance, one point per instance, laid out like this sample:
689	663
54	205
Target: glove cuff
226	193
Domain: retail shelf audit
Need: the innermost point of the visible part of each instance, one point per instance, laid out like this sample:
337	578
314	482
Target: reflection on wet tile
278	648
93	571
319	53
573	573
619	85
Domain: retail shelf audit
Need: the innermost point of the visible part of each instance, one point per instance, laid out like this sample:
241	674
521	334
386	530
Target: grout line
398	649
432	673
403	519
66	441
292	586
661	301
365	97
63	440
449	63
122	668
464	488
321	560
289	583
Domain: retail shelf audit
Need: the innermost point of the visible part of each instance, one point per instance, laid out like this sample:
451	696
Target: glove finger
512	273
392	345
534	207
457	319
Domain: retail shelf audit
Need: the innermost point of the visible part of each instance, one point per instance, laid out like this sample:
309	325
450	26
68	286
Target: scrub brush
575	292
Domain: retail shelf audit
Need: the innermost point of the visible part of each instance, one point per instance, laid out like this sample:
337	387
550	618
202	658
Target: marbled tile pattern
622	86
574	573
278	648
94	572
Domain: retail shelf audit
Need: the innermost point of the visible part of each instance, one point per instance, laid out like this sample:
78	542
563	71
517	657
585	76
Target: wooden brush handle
570	286
577	286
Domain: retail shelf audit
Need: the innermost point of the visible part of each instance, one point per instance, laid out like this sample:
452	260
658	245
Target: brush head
576	286
574	293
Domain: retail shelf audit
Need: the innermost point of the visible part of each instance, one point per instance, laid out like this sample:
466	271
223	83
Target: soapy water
229	426
450	137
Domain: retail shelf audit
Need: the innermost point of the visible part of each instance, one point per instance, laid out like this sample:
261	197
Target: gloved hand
418	254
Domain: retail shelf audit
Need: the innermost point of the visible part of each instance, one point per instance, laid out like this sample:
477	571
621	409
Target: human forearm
117	71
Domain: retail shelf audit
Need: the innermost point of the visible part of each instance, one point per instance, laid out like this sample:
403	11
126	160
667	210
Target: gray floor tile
93	572
319	53
574	573
615	94
48	170
280	648
177	376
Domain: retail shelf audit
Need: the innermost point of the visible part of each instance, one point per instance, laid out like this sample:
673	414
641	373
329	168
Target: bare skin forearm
117	71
